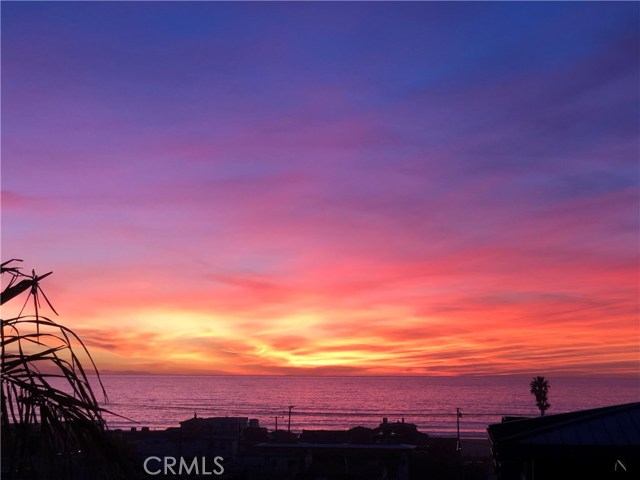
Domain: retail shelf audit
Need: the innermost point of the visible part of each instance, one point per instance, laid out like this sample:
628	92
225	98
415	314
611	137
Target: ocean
161	401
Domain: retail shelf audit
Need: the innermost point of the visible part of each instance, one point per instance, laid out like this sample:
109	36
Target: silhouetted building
399	432
392	451
598	443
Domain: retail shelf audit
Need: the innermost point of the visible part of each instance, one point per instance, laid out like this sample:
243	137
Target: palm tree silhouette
49	431
540	389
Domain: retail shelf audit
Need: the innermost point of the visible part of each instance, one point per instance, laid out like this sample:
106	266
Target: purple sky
333	187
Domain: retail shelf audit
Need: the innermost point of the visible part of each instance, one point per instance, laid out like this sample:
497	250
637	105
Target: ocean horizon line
309	375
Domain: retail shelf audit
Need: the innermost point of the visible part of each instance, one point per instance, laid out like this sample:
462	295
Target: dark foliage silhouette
540	390
52	423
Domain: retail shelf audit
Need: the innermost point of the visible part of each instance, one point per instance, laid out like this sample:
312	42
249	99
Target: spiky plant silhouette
540	390
52	423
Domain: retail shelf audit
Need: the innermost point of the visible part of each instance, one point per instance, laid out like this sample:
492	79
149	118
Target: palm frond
48	406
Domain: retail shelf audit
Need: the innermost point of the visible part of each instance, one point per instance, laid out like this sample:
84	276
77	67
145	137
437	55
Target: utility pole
458	415
291	407
277	417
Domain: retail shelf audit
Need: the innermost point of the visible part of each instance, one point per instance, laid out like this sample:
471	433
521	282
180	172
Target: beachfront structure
392	451
597	443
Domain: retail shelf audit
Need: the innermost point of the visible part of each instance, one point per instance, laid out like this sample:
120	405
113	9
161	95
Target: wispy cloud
330	188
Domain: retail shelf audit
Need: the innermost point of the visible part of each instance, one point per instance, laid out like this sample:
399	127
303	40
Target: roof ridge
569	417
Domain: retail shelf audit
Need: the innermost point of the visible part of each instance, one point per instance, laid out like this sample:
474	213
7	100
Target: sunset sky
333	188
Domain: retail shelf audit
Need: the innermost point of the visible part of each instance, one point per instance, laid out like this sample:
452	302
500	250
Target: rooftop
617	425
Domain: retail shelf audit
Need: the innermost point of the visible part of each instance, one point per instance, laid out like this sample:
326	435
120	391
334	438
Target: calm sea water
159	401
